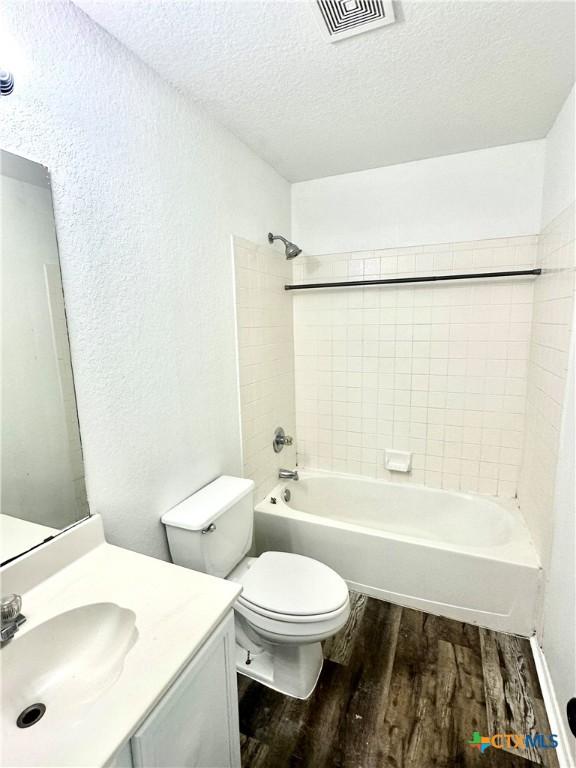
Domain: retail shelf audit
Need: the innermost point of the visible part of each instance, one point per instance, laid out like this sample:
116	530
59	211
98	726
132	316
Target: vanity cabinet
195	725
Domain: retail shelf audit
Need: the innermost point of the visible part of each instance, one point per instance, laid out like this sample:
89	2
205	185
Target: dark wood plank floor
401	689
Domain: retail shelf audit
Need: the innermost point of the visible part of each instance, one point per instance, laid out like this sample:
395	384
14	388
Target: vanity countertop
176	611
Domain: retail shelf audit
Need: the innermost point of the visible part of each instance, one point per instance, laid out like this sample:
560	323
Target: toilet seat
255	610
293	588
282	629
289	598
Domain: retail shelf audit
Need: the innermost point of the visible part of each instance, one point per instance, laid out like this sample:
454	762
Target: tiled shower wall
436	369
265	358
551	331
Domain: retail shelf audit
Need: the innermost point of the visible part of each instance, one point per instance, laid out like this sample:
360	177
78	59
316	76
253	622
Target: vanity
132	658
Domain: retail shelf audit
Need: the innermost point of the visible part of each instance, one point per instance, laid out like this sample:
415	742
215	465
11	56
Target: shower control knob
280	440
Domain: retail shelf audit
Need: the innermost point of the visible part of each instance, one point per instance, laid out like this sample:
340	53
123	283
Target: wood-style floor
401	689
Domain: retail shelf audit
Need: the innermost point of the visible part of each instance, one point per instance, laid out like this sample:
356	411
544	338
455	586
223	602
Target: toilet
289	603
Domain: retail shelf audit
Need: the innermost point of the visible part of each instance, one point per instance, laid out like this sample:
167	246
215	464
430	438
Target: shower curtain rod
429	279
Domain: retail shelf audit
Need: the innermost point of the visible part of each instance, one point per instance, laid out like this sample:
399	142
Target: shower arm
272	237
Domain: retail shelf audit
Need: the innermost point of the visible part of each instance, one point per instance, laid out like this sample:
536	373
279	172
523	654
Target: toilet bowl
289	603
288	606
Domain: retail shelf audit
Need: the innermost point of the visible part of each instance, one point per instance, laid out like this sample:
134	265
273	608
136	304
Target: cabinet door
196	723
122	758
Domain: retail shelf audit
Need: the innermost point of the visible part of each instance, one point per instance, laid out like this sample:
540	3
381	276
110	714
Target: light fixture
6	82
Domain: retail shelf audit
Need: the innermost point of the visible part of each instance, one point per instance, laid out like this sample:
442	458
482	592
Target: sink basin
64	664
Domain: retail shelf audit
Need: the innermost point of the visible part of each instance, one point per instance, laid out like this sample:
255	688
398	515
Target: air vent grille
343	18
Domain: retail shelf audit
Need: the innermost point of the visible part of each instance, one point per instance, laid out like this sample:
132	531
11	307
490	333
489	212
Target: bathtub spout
288	474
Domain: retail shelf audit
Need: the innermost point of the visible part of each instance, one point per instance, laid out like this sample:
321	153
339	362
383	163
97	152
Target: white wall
471	196
548	463
559	630
147	192
559	174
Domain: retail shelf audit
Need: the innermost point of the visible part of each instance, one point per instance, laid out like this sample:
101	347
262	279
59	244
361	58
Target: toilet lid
290	584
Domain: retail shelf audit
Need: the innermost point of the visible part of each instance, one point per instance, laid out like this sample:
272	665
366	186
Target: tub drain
30	715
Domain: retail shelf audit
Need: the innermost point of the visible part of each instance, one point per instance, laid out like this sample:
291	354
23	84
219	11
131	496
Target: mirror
43	488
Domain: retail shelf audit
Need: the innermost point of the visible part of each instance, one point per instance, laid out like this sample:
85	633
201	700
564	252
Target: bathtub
458	555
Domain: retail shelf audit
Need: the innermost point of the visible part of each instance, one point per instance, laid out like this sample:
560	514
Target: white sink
65	664
108	632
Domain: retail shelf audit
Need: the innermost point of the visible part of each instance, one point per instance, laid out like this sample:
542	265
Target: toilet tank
211	530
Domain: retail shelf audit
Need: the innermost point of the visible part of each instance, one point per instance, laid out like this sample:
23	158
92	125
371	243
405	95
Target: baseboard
566	758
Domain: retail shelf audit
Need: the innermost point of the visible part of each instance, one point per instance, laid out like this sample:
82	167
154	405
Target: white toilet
289	603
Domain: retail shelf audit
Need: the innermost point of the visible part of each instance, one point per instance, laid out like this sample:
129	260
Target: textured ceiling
447	77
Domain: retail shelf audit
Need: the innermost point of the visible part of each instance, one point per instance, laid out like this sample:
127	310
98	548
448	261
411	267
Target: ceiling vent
339	19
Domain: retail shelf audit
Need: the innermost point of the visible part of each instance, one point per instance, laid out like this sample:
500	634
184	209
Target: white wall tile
548	364
436	369
265	360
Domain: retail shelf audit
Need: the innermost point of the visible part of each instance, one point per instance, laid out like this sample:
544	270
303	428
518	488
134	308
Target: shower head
291	250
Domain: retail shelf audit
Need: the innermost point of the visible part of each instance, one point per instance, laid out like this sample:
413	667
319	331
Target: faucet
11	617
288	474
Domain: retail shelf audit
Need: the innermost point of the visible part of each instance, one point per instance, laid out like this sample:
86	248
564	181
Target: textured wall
435	369
266	360
147	192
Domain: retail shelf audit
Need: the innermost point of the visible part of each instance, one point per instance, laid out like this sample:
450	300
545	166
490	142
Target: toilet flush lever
211	528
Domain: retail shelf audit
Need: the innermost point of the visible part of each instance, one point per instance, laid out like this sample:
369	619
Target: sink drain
30	715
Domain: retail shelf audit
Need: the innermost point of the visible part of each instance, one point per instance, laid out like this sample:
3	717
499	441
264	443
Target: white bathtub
457	555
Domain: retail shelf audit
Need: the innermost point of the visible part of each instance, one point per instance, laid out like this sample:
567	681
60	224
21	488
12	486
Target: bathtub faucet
288	474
